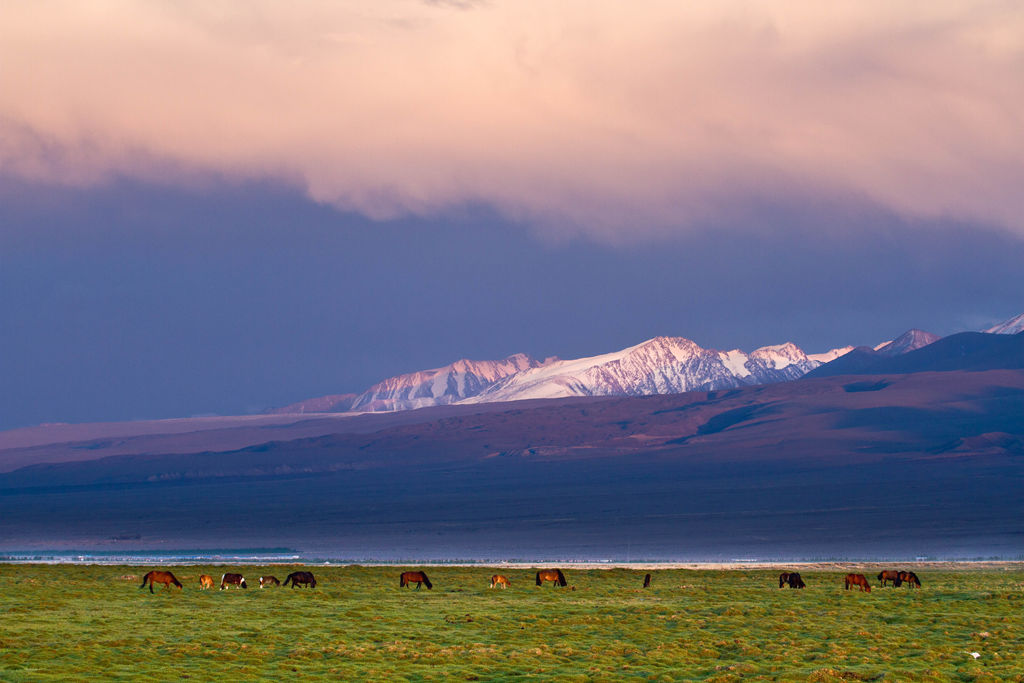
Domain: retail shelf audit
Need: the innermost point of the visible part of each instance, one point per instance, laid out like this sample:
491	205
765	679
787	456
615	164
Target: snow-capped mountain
1012	326
906	342
440	386
663	365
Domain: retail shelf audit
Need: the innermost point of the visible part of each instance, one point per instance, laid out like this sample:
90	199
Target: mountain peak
908	341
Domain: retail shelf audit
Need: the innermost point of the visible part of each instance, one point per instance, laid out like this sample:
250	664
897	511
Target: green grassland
93	622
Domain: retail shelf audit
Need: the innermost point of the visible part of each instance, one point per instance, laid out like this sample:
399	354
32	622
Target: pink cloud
606	118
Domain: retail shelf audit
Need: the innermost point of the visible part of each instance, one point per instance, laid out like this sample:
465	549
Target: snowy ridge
830	356
439	386
1014	325
662	365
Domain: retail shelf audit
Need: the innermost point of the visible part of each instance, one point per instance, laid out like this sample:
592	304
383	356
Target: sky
224	207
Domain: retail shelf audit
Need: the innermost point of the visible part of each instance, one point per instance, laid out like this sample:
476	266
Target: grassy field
92	622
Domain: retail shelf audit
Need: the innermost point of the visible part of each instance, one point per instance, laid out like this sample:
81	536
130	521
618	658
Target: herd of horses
555	576
206	581
896	577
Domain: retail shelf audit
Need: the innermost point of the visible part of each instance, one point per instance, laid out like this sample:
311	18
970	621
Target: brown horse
232	580
791	579
858	580
499	580
553	575
205	581
910	578
155	576
419	578
890	575
305	578
647	581
269	581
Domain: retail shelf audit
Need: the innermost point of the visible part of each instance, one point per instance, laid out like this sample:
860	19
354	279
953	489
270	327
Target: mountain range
921	454
662	365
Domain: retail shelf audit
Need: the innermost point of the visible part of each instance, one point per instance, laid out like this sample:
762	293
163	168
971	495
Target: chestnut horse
232	580
499	580
269	581
910	578
205	581
890	575
419	578
155	576
792	579
553	575
305	578
647	581
858	580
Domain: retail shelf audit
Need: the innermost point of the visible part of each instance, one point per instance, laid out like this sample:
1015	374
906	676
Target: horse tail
426	581
561	578
401	581
538	579
145	579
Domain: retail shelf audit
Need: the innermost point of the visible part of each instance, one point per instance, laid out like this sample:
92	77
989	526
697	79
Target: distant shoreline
831	565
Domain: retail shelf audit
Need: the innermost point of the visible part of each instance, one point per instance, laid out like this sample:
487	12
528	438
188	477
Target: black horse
305	578
791	579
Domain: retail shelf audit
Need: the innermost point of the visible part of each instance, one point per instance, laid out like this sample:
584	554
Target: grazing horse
419	578
155	576
499	580
647	581
232	580
890	575
858	580
791	579
205	581
269	581
554	575
305	578
910	578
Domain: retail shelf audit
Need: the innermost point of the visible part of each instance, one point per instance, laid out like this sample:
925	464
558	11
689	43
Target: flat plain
60	622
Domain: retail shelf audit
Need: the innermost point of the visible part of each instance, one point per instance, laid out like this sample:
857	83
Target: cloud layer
583	116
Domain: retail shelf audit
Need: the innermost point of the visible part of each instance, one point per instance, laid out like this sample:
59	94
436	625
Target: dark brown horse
156	576
269	581
647	581
858	580
305	578
553	575
419	578
910	578
791	579
890	575
232	580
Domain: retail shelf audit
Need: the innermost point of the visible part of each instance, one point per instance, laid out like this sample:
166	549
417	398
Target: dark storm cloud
140	301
